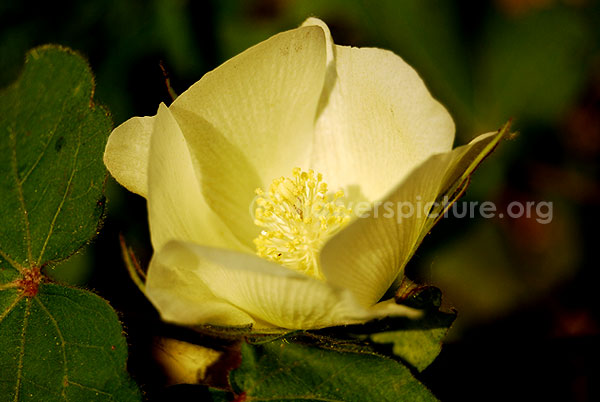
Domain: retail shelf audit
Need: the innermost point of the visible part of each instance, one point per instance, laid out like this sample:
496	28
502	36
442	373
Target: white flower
285	116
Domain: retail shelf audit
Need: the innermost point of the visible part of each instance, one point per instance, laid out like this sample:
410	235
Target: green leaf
285	370
62	345
57	343
52	173
416	342
419	342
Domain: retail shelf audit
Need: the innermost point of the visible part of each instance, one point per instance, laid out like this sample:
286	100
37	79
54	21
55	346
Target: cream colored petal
251	120
375	115
177	208
181	296
126	153
389	308
312	21
368	255
268	292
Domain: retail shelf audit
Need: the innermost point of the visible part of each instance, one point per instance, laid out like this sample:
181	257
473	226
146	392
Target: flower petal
329	45
260	108
368	255
126	153
268	292
389	308
181	296
176	207
375	115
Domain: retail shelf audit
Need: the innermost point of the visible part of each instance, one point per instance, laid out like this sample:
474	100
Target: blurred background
528	322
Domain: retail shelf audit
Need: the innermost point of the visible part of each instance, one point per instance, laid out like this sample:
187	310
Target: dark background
526	292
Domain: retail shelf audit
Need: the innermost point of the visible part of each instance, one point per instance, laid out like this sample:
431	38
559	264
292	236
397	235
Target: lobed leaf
56	343
62	345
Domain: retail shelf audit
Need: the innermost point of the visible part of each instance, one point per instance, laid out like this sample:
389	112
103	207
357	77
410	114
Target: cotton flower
296	130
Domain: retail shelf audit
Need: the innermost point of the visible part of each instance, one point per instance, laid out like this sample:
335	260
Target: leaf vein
35	384
39	158
75	301
11	261
64	198
22	351
333	375
13	160
10	285
92	389
272	373
9	308
62	345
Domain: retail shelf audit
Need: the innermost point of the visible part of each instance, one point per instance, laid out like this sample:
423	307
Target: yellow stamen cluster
297	218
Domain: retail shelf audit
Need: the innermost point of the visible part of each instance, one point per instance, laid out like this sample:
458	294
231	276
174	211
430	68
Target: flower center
297	218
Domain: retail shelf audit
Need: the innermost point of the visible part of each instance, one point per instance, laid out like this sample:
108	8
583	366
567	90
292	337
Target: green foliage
52	174
419	342
416	342
345	363
284	370
57	343
64	344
